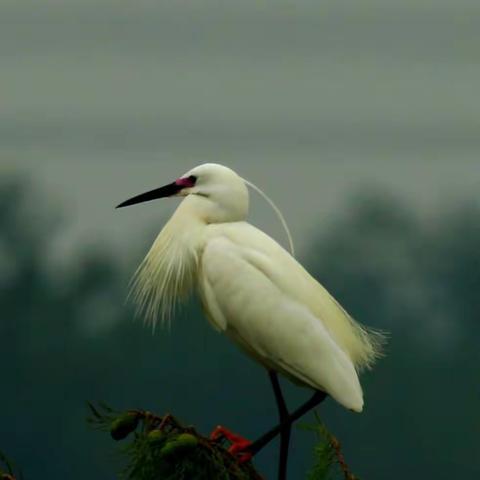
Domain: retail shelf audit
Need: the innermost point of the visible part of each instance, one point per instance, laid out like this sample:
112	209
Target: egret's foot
239	444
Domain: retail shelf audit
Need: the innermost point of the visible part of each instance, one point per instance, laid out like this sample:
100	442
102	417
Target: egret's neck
199	209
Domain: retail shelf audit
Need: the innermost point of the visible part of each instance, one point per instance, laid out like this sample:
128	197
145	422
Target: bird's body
267	308
252	289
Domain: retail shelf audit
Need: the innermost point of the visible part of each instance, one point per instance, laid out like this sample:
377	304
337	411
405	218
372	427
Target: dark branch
317	398
285	433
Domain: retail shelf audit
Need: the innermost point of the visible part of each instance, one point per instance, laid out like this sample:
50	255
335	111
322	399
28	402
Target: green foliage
329	463
324	458
6	468
163	449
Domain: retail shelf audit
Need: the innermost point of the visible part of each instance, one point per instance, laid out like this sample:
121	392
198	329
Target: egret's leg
258	444
285	432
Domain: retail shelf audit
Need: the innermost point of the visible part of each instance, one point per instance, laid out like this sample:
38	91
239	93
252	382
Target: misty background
361	119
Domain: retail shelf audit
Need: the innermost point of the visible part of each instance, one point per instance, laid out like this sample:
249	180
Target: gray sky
104	99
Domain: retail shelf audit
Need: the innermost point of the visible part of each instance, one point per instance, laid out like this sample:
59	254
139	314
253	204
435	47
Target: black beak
165	191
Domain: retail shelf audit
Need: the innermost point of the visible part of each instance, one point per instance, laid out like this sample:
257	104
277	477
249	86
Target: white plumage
252	289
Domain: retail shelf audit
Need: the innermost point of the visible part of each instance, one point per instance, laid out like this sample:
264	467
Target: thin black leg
285	432
267	437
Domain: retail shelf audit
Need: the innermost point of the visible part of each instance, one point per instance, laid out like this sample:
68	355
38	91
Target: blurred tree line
66	338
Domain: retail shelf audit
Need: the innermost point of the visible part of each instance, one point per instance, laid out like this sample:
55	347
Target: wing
242	296
363	346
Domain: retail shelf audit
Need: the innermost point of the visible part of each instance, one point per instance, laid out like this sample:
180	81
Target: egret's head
215	192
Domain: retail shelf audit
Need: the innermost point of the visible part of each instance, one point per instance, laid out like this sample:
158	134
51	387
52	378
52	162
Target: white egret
250	287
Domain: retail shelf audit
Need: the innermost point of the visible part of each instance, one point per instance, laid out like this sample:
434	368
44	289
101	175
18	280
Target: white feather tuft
371	344
363	344
166	275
